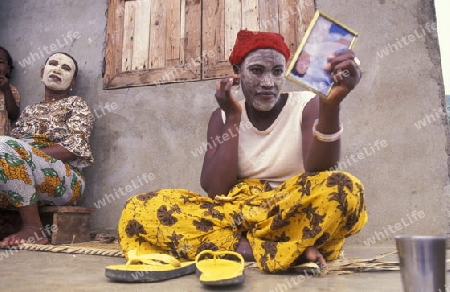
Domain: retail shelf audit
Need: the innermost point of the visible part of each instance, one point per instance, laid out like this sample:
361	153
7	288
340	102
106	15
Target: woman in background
41	164
9	95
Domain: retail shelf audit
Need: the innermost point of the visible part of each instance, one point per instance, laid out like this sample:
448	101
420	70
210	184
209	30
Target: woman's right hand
227	102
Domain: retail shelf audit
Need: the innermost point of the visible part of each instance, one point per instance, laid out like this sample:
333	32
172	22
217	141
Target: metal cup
422	263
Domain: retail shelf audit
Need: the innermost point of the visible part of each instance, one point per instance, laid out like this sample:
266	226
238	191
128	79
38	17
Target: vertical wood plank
233	23
193	36
128	35
268	13
114	37
287	22
305	12
213	36
183	13
173	32
158	34
141	35
213	29
250	15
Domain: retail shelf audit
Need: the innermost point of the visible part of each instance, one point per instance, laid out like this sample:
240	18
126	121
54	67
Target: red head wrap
248	41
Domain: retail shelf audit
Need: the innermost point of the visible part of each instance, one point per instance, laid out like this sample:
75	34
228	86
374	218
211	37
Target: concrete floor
35	271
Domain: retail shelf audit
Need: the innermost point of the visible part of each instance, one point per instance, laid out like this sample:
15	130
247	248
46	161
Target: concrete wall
152	131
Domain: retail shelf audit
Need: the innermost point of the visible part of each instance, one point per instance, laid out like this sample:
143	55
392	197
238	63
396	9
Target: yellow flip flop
142	267
220	268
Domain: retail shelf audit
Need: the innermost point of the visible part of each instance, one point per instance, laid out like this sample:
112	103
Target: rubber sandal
142	267
220	268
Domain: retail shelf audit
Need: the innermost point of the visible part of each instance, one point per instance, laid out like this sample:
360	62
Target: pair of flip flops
214	268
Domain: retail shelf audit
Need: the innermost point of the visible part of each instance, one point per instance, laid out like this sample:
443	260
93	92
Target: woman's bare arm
220	165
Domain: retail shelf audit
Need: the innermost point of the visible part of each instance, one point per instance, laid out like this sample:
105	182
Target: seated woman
9	95
41	164
271	197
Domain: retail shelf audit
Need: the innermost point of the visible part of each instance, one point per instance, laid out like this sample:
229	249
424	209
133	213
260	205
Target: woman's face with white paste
262	78
58	72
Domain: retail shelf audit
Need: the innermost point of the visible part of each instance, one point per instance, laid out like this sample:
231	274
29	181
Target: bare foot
245	249
28	234
312	254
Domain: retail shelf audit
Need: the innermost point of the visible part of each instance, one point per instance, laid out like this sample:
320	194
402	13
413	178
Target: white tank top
274	154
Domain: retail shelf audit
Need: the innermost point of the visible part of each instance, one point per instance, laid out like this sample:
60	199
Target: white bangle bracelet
327	137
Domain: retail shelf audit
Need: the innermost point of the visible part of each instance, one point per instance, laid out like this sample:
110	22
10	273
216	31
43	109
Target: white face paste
262	78
58	72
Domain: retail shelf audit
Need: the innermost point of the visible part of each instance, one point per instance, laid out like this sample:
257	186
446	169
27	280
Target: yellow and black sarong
316	209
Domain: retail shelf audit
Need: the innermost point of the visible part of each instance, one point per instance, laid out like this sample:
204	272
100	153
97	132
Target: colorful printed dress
280	209
28	175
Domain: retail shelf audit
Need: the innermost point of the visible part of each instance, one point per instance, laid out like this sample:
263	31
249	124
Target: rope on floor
71	249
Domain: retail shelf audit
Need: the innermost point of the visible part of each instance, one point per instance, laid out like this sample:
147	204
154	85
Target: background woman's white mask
58	72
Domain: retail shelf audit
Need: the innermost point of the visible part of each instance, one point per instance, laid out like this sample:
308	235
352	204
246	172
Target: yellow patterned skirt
316	209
